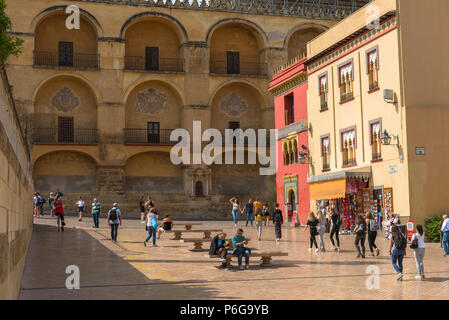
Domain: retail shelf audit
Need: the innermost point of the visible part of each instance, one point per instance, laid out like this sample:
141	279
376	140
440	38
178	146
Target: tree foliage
432	227
9	45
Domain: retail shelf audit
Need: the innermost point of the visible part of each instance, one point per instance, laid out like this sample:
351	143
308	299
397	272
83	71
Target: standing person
266	213
96	211
321	229
59	213
312	223
235	209
149	203
41	204
278	220
398	245
445	230
372	225
58	194
257	204
239	242
249	207
335	228
152	226
217	246
36	205
51	200
114	220
142	210
360	236
259	218
80	204
420	250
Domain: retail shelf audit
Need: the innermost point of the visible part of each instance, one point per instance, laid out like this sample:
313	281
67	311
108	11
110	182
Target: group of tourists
260	213
150	216
221	247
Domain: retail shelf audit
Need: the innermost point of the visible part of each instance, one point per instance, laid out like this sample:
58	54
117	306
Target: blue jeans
235	214
151	232
249	217
240	251
445	242
95	217
114	231
396	257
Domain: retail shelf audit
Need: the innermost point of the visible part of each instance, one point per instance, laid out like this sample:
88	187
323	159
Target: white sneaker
310	249
222	259
235	225
399	276
241	268
418	277
278	239
317	250
142	221
247	266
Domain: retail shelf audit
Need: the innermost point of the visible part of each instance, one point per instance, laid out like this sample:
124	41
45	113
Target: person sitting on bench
239	242
219	246
167	224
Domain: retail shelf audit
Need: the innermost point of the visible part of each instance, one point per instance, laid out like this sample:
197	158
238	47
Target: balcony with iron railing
148	137
376	156
139	63
245	68
346	96
349	162
79	60
58	136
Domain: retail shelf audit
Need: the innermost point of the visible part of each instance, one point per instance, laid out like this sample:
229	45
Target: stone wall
15	195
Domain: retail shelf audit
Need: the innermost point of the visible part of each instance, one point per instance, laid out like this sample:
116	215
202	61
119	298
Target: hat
115	204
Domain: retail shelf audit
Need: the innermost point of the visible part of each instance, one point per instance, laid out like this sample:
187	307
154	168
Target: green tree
433	226
9	45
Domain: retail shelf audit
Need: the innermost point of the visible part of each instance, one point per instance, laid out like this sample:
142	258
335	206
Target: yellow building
99	102
381	69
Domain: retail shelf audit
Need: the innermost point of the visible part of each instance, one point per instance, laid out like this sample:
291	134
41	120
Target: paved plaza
129	270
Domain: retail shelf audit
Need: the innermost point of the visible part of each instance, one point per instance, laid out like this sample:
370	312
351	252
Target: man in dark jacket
218	246
278	220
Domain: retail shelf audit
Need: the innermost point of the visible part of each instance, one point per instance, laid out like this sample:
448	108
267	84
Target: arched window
199	189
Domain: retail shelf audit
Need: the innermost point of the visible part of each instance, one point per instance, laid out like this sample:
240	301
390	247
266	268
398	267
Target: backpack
112	214
42	200
154	221
373	226
400	242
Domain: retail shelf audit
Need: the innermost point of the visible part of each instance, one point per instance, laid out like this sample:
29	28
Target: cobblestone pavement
129	270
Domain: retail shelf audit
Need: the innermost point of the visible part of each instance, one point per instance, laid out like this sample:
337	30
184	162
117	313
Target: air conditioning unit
389	96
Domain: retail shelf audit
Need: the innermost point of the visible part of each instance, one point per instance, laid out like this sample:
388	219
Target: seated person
166	224
239	242
219	246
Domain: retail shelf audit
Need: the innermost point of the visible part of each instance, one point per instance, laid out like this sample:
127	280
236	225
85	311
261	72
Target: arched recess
153	173
56	45
297	38
66	96
70	171
237	101
153	101
236	47
153	42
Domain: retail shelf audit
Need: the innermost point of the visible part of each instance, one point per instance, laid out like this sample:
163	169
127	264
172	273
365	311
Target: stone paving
129	270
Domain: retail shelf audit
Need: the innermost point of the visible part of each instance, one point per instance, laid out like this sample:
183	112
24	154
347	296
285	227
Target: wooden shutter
66	54
153	132
234	125
152	58
65	129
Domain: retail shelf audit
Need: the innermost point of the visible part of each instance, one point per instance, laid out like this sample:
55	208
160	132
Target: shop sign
410	229
420	151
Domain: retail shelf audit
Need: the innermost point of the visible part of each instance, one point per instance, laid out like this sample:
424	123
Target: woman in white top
420	251
235	209
80	204
321	229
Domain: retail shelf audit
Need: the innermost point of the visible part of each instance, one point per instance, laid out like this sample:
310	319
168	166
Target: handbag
414	244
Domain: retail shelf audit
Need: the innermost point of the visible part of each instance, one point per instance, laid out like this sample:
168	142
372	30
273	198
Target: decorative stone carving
233	105
151	101
65	100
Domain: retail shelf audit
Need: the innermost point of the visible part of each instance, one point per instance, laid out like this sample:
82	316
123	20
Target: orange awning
328	189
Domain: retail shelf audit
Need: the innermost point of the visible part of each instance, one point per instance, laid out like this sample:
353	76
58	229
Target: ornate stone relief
233	105
65	100
151	101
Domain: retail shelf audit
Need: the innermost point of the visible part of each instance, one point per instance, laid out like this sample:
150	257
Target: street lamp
385	138
302	157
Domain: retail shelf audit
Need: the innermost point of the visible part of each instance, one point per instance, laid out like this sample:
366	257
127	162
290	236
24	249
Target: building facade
99	102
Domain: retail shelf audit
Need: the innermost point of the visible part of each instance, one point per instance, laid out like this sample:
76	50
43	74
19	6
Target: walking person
278	220
152	227
80	204
398	245
321	229
445	230
360	236
51	200
334	229
114	220
266	213
142	210
41	204
239	242
59	213
58	194
256	205
96	212
249	207
419	246
312	223
259	222
36	205
235	209
372	225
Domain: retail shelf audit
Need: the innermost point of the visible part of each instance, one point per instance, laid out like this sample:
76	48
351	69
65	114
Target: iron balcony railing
52	59
165	64
145	136
245	68
55	135
376	156
346	96
349	162
373	86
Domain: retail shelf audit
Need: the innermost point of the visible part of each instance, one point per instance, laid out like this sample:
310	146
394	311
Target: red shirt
59	207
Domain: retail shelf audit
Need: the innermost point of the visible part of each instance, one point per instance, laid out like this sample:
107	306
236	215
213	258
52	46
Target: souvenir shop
351	196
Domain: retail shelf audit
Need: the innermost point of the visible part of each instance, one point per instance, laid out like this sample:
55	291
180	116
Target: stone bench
198	243
188	226
265	257
207	233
